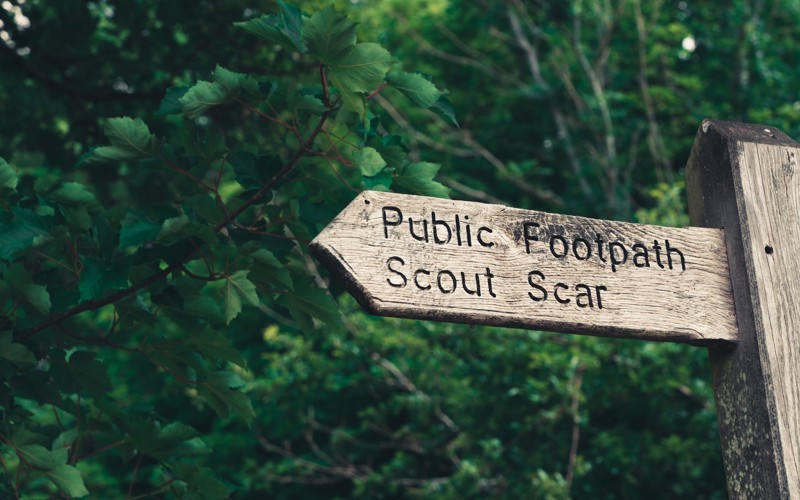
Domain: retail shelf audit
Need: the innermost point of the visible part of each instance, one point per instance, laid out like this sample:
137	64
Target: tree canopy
163	166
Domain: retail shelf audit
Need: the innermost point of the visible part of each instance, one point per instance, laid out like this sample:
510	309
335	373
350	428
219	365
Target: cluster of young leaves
180	287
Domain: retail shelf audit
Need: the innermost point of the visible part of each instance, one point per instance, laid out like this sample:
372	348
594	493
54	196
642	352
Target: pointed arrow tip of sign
336	264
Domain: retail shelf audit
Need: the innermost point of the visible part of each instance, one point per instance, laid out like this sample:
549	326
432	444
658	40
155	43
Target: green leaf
444	108
196	306
202	96
17	354
238	287
215	345
380	182
37	456
361	69
264	256
233	303
53	465
68	479
174	226
222	391
253	172
284	28
369	161
354	103
391	149
175	439
65	439
231	81
21	231
417	178
269	270
130	140
8	179
306	103
328	34
99	278
416	87
309	301
171	104
203	208
20	281
137	229
201	480
78	218
73	193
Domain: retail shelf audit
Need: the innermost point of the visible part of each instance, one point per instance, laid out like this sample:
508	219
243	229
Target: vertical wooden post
746	179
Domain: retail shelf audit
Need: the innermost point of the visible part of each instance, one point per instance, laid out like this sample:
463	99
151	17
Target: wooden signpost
730	289
745	178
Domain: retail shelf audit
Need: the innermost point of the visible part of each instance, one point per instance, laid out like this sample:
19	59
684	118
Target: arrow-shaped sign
429	258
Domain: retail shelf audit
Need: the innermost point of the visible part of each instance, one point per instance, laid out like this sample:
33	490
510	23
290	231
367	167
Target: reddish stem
376	91
273	119
186	173
326	93
338	176
111	446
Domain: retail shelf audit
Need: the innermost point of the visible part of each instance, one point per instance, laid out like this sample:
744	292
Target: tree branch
655	141
532	58
473	149
594	73
577	380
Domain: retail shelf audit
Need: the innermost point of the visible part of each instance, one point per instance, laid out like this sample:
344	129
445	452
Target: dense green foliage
164	331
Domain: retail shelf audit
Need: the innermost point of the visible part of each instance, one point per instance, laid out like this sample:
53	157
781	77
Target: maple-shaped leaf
223	392
369	161
359	72
328	35
237	288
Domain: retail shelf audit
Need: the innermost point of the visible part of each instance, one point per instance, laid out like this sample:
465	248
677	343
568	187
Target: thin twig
410	387
108	447
133	476
576	425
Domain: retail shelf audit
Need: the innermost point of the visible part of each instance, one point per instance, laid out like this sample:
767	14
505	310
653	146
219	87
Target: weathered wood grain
530	269
745	178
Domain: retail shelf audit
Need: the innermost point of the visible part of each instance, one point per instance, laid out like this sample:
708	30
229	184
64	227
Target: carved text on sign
456	229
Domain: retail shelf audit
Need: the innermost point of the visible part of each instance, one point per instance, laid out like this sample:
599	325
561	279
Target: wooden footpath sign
428	258
732	284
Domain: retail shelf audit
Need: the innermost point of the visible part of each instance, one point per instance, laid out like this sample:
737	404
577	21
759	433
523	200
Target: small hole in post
366	202
769	250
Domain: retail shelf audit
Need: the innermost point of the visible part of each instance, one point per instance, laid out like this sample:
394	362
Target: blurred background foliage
584	107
